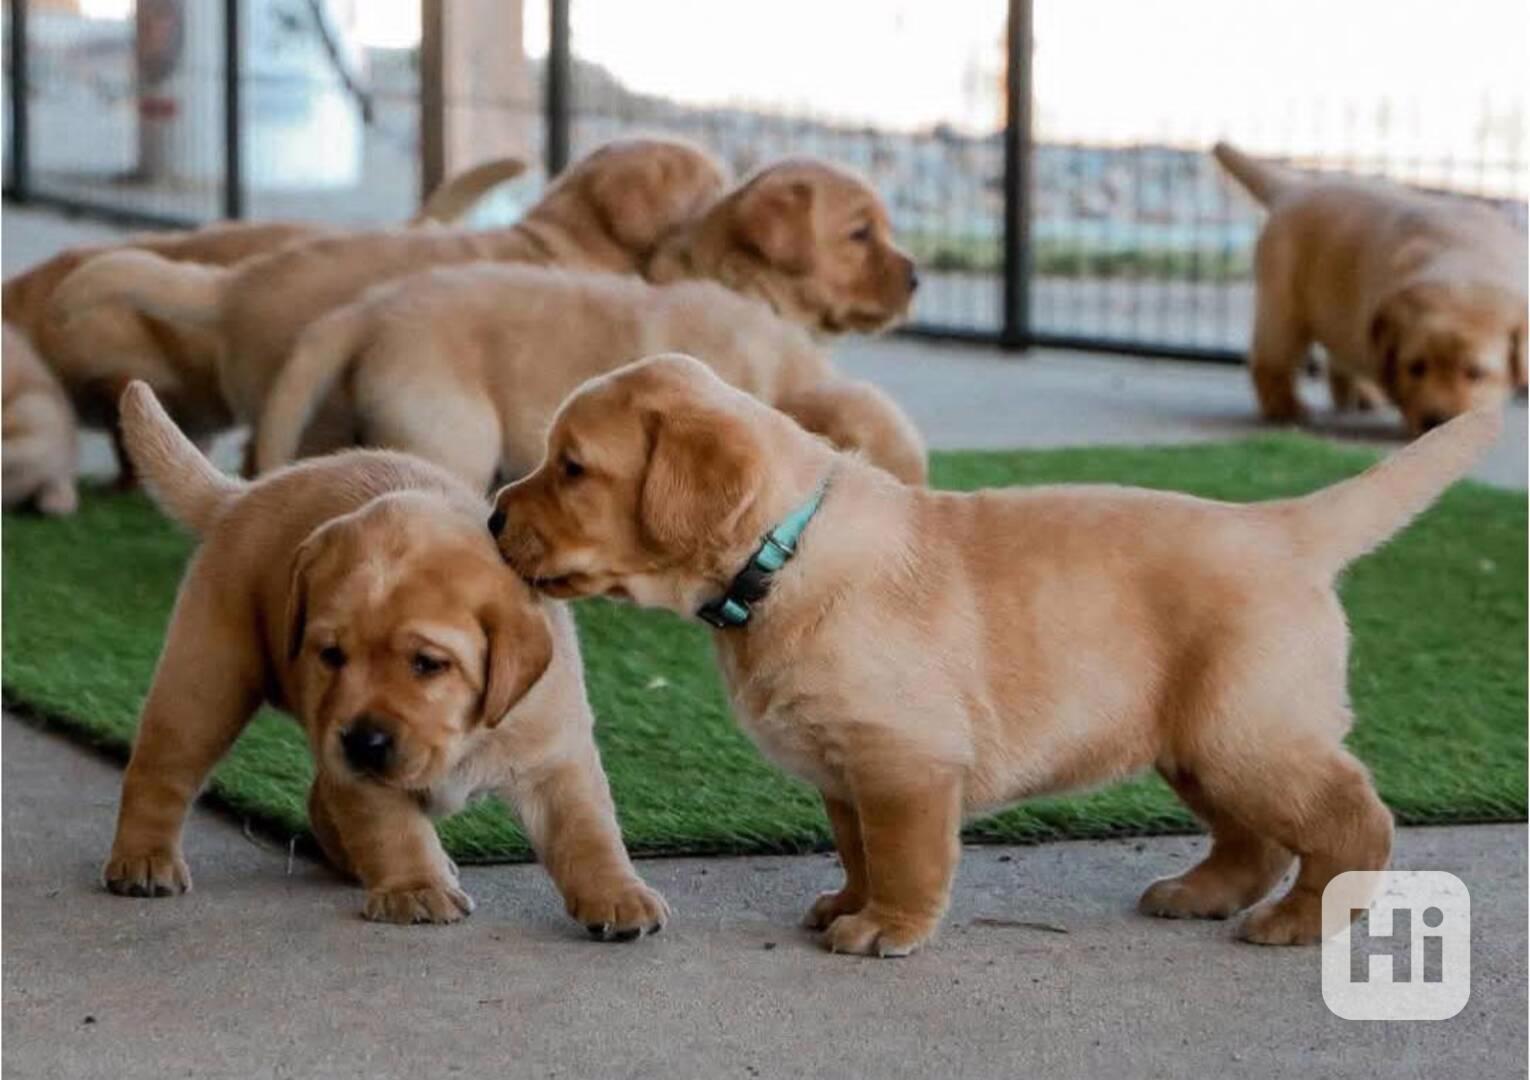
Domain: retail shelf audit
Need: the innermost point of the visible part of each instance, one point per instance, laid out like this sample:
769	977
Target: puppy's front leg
568	814
910	830
846	825
205	689
385	838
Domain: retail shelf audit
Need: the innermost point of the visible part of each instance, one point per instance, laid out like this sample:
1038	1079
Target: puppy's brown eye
332	657
572	470
424	665
862	235
1417	369
1475	374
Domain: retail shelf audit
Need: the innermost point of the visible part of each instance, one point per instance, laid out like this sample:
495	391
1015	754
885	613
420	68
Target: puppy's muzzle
369	746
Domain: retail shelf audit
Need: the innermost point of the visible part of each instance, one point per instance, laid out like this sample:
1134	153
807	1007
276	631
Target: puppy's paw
866	934
830	906
1177	898
622	912
1291	921
439	902
161	872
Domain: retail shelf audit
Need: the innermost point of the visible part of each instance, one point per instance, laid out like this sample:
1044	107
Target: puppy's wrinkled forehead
611	415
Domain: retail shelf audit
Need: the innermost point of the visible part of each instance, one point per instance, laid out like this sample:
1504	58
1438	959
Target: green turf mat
1438	671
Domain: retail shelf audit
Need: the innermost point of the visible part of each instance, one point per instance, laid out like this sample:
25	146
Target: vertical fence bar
233	108
558	93
432	96
20	180
1015	328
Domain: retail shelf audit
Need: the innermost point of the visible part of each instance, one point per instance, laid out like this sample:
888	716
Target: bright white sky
1291	76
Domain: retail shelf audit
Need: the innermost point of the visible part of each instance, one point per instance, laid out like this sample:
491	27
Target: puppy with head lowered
360	594
919	655
1422	296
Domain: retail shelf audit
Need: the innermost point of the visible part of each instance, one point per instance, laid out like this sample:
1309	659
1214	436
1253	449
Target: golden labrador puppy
605	213
919	655
1422	296
96	355
465	366
360	593
40	446
809	238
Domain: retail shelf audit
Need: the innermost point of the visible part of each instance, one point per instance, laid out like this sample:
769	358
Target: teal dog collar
753	581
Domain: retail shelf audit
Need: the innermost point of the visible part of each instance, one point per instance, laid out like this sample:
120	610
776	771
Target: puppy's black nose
367	746
913	279
1430	421
497	522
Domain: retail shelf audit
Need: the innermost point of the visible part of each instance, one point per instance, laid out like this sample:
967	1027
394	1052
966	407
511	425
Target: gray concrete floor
267	970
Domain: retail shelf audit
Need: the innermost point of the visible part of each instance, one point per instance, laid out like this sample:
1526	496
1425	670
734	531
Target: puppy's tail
459	194
179	292
322	355
177	476
1337	525
1263	180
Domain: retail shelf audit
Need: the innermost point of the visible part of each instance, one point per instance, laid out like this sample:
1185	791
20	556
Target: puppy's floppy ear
297	595
777	219
704	471
1385	336
645	196
518	652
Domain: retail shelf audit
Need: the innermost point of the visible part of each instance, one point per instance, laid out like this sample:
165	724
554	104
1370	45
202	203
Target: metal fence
1049	170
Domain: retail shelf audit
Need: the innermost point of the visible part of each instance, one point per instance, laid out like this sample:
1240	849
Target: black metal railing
1028	233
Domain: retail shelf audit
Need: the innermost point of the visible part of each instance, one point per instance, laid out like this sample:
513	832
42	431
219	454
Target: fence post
432	96
559	86
1015	331
20	180
233	108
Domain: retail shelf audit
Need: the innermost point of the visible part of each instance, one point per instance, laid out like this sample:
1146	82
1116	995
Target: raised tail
177	476
1337	525
1263	180
321	356
178	292
458	194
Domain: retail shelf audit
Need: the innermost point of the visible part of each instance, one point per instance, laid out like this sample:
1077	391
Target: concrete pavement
266	970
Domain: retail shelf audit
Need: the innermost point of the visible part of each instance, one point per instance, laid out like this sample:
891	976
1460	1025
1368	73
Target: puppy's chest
788	724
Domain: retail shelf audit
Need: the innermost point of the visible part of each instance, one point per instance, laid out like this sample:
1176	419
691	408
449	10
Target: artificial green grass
1438	670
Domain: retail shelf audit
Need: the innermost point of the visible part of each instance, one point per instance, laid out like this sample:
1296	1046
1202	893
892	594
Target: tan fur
605	213
928	654
40	444
360	592
1421	296
466	365
809	238
96	354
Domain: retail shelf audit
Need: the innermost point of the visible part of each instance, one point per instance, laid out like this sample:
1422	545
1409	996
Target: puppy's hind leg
442	424
1276	358
1241	868
383	837
205	689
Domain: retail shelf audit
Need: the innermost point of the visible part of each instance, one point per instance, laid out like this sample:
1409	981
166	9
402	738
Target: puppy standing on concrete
360	593
1420	295
40	442
811	239
96	355
465	366
605	213
921	655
